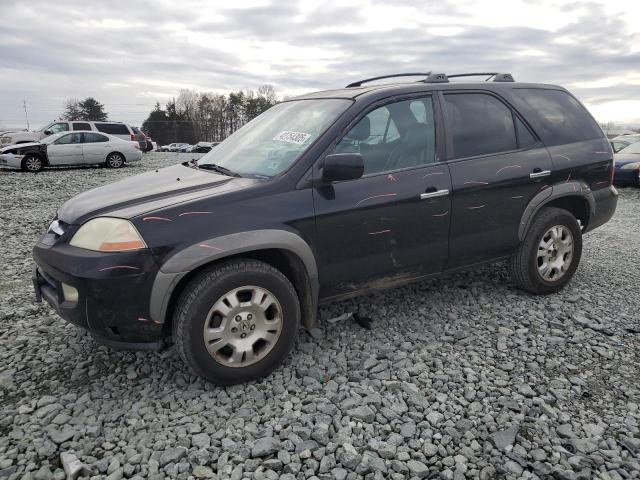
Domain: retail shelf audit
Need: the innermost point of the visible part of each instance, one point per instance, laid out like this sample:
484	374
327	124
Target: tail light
133	137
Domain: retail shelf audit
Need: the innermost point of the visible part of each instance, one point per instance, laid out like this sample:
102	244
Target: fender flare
201	253
547	195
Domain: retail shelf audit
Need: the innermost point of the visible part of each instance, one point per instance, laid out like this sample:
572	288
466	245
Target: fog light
70	293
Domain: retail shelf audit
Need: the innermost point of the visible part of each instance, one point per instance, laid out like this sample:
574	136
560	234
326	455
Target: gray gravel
459	378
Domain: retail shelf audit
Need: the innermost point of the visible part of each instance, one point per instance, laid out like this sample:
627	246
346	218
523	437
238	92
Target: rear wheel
32	163
236	321
114	160
550	253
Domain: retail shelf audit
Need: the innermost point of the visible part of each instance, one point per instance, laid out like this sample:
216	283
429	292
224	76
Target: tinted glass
395	136
81	126
479	124
59	127
525	138
565	120
94	138
274	140
113	128
71	138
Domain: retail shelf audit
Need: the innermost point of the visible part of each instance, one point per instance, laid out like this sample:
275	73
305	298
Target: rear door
393	223
95	148
497	166
66	150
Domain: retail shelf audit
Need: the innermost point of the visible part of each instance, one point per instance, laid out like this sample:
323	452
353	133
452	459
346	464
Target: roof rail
367	80
436	78
496	76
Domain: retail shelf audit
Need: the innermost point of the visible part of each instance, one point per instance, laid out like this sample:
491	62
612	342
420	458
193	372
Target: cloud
131	54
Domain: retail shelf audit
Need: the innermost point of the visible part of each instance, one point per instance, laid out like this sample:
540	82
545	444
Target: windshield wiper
219	169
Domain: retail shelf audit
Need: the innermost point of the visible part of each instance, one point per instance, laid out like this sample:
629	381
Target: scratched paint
569	177
204	245
433	173
116	267
517	197
374	197
391	178
194	213
508	166
475	207
163	219
380	232
472	182
563	156
142	319
440	214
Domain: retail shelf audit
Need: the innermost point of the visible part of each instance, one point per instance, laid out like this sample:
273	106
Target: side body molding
567	189
217	248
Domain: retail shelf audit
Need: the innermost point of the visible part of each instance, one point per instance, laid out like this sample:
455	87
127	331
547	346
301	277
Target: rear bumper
112	292
606	201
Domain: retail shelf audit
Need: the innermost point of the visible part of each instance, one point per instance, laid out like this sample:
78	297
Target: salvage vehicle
326	196
618	145
627	166
117	129
77	148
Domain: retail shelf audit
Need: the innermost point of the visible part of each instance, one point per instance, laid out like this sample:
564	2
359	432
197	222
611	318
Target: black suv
325	196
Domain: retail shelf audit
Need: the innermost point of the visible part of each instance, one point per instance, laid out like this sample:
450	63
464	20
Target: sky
131	54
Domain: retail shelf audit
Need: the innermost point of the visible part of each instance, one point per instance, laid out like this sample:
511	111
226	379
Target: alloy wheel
243	326
33	164
114	160
555	253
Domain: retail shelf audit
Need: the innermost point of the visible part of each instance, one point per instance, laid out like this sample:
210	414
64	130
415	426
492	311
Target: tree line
209	117
189	118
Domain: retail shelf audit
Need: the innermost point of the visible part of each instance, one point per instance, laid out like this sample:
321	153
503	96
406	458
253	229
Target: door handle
537	173
434	194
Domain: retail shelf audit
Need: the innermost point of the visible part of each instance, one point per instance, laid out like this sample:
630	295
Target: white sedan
71	148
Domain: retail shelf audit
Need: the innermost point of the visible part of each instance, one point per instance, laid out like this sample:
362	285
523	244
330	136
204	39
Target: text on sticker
292	137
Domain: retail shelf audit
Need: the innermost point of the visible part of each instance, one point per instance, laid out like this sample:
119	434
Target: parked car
116	129
70	148
323	197
173	147
627	165
618	145
140	138
183	147
202	147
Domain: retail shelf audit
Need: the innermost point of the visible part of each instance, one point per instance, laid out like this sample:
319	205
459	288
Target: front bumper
625	177
113	291
10	160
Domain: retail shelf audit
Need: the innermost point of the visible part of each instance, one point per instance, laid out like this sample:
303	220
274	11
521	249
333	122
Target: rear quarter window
113	128
563	118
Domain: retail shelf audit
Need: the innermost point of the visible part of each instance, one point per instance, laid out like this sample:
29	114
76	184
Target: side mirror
48	132
342	166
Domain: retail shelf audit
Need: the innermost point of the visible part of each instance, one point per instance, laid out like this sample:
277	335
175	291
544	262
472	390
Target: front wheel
114	160
550	253
32	163
236	321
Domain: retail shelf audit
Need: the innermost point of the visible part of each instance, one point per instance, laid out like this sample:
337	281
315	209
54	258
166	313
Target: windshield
273	141
633	148
51	138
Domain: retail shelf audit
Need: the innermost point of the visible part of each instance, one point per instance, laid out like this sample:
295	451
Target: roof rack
439	77
497	77
367	80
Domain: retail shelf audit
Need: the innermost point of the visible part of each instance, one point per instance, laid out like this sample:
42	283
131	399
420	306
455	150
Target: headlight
107	234
631	166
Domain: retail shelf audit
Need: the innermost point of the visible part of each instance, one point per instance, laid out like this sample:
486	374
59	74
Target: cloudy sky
129	54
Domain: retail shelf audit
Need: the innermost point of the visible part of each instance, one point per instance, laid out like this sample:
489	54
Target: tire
32	163
199	306
114	160
544	270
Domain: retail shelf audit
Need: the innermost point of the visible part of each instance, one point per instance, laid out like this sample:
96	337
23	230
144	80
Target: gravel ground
459	378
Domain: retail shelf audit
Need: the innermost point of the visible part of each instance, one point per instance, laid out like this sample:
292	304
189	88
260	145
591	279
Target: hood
624	158
19	145
148	192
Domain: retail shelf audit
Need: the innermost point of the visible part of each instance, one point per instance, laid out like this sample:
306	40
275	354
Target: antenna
26	115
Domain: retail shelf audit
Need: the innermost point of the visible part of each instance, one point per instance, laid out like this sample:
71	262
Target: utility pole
24	104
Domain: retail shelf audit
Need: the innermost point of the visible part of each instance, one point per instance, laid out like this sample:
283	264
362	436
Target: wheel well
44	159
283	260
577	206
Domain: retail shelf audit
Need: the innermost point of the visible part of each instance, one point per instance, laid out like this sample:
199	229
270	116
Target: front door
66	150
392	224
497	166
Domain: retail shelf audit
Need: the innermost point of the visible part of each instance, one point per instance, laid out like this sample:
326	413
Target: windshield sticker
292	137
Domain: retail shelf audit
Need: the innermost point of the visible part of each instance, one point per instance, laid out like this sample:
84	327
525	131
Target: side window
479	124
395	136
94	138
59	127
113	128
564	119
525	138
69	139
81	126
